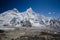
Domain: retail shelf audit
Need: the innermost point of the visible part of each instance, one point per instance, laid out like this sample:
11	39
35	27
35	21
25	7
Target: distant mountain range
28	18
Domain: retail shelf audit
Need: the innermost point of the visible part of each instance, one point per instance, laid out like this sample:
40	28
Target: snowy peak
15	10
29	10
11	13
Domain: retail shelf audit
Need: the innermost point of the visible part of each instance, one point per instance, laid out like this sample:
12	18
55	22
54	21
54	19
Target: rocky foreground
27	34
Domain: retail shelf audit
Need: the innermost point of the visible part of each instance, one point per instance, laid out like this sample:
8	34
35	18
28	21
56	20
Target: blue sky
49	8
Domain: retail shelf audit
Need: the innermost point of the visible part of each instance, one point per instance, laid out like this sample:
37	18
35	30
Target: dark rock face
26	24
2	31
14	21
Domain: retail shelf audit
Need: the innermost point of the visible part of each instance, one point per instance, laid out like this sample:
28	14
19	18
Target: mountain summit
29	10
29	18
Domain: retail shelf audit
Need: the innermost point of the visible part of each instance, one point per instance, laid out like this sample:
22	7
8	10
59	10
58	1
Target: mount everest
29	18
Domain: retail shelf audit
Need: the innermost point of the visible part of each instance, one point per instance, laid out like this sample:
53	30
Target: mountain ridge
28	18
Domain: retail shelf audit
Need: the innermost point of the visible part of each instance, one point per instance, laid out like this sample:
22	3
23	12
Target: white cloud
49	13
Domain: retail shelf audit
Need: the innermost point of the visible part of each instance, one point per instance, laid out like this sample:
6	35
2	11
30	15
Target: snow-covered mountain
28	18
15	17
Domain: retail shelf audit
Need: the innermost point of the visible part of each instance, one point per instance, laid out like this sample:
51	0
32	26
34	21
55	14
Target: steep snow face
27	18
